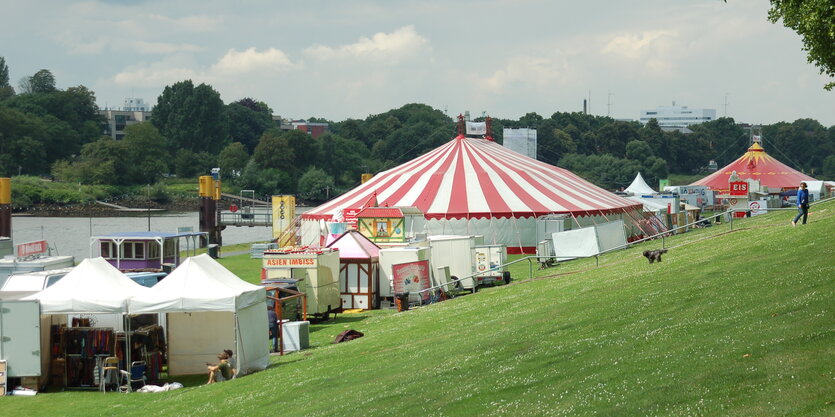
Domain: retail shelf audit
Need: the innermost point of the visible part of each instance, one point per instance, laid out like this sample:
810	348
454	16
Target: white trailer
315	272
394	256
458	253
22	336
488	261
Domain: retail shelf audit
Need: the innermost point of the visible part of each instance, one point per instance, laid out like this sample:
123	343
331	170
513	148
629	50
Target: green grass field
735	323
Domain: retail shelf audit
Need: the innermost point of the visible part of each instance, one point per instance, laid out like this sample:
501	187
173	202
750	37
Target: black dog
654	255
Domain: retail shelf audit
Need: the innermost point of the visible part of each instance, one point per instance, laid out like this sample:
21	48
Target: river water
71	235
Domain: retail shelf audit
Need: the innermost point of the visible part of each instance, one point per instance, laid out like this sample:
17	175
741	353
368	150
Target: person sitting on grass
222	371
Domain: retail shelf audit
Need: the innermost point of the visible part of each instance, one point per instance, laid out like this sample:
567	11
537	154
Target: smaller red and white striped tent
474	186
756	164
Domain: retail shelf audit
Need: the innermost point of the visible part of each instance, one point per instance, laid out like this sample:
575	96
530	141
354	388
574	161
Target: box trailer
396	256
488	264
21	334
315	273
458	253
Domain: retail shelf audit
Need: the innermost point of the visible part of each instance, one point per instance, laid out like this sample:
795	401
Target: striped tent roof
756	164
477	178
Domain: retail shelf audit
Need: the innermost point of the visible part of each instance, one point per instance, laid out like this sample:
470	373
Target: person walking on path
802	204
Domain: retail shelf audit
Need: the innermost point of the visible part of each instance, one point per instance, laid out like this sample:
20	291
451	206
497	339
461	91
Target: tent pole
126	325
237	346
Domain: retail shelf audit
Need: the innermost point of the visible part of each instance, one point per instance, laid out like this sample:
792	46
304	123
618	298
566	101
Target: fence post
731	222
530	269
662	242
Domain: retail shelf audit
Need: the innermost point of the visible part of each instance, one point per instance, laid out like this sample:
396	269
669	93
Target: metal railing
434	291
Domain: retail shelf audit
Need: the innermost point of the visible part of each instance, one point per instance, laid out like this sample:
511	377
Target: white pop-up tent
209	309
639	186
92	287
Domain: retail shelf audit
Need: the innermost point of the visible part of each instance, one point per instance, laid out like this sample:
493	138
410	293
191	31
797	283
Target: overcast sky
351	59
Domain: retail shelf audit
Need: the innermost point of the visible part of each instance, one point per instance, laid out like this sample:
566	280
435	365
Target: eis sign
739	188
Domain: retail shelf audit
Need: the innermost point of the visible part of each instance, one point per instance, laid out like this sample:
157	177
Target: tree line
46	131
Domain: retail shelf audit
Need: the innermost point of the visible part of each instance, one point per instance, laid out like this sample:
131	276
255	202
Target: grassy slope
729	324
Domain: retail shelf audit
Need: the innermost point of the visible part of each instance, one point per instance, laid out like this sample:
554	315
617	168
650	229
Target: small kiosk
359	278
134	251
314	271
384	225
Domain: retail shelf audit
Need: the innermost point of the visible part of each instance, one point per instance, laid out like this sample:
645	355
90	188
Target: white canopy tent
92	287
209	309
639	186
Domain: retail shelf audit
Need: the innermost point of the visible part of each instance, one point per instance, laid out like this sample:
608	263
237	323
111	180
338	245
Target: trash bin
168	268
401	300
213	250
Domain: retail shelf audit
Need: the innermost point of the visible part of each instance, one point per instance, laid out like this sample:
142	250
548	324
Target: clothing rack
83	350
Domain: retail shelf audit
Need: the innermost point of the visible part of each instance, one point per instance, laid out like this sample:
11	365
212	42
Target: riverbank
138	205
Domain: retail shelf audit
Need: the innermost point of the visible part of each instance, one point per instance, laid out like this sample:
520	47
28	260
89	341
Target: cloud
524	72
145	47
656	50
636	46
402	43
250	60
86	48
154	75
194	23
233	63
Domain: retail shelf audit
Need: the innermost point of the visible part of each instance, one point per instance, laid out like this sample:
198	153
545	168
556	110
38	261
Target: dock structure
247	216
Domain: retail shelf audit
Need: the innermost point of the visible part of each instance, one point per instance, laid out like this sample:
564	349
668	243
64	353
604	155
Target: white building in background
134	111
522	141
677	117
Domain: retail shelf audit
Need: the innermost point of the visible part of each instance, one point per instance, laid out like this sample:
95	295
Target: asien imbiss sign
290	260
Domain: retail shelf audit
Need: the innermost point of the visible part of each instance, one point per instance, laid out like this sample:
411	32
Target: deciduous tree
192	118
814	21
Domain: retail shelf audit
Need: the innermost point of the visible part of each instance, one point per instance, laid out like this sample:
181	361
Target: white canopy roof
198	284
650	205
639	186
94	286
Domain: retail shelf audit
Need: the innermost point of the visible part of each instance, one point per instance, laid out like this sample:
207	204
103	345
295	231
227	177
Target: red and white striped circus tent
474	186
756	164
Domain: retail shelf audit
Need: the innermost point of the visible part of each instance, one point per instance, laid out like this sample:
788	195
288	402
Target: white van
34	281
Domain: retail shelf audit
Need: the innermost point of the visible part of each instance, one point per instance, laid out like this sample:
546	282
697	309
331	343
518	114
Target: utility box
488	259
315	272
295	335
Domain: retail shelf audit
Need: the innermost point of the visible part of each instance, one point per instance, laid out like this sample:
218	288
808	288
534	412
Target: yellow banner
284	212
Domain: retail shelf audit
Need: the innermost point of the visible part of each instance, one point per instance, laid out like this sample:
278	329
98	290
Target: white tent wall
252	325
511	232
575	243
197	338
610	235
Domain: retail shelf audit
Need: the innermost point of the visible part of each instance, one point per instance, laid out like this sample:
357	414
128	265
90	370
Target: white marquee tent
209	309
639	186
